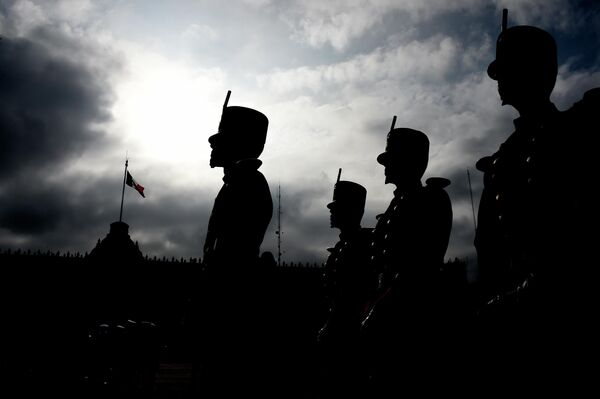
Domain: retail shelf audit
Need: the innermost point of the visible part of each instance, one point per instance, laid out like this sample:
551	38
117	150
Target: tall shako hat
348	194
405	144
524	48
244	129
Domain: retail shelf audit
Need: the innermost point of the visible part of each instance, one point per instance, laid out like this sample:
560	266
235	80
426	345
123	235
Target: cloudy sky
83	82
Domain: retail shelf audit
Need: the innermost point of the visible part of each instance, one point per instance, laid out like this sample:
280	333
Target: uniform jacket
411	237
348	282
533	202
241	214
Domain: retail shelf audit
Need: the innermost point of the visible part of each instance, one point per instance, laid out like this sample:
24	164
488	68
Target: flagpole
123	192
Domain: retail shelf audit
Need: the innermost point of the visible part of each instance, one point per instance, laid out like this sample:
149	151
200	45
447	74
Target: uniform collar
347	234
400	191
241	167
548	111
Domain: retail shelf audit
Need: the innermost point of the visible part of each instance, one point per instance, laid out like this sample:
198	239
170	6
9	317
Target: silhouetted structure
533	247
234	288
51	340
348	286
410	239
123	344
117	246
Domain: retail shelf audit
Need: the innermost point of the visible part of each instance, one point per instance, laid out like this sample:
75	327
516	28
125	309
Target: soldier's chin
506	95
504	99
214	162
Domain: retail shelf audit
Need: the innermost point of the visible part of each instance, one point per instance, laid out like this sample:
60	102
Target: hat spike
227	99
339	175
504	19
393	123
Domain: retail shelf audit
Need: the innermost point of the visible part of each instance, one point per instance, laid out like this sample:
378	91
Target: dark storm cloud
48	106
31	209
73	214
54	96
35	210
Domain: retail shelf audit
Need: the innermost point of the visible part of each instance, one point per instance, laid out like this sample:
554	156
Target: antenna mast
279	225
472	205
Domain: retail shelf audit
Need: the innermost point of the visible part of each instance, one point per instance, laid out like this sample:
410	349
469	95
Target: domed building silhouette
117	246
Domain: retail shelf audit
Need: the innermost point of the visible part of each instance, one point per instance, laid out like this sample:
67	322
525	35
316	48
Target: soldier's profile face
512	84
395	173
220	153
341	215
333	216
215	157
520	82
397	168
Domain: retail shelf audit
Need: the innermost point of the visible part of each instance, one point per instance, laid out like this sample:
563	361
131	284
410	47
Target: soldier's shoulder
485	164
435	192
583	122
366	233
587	107
590	97
437	183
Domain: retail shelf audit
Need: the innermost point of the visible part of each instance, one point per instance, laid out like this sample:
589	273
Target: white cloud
27	16
257	3
571	85
200	33
74	11
429	61
547	14
337	23
66	15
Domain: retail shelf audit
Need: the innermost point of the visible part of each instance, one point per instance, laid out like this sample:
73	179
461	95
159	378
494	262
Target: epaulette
366	231
248	163
589	103
484	164
592	96
437	182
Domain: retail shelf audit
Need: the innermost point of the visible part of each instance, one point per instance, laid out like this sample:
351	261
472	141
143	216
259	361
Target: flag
132	183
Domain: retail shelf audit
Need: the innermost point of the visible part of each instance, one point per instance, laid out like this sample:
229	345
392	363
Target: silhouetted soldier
233	291
409	244
531	243
347	285
243	208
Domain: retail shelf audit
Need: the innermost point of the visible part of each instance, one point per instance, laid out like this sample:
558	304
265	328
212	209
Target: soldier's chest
401	217
341	258
528	169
